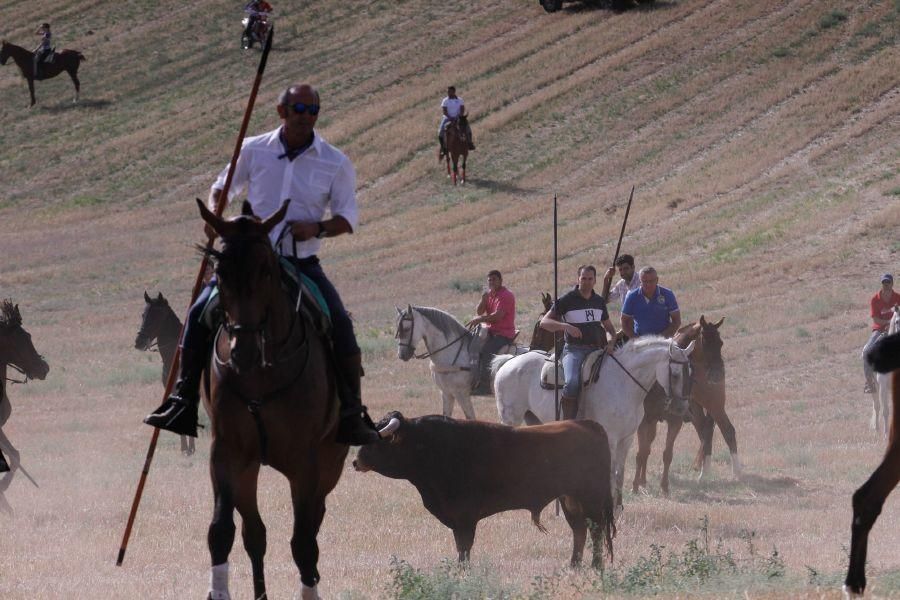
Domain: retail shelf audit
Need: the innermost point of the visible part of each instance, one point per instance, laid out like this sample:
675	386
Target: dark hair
587	268
45	26
495	273
451	87
625	259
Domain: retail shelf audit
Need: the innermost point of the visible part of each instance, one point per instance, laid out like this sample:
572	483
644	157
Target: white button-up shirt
622	287
319	181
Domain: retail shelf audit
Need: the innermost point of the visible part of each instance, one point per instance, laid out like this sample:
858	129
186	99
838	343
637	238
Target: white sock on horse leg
309	593
736	467
218	582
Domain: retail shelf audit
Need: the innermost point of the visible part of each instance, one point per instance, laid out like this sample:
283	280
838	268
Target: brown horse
272	401
870	497
16	351
541	339
457	143
707	407
67	60
161	327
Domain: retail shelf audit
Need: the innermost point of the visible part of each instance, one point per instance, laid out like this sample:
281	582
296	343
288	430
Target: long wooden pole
173	368
619	244
555	300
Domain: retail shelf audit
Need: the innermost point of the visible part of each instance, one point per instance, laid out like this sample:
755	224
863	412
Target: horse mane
9	314
642	344
444	321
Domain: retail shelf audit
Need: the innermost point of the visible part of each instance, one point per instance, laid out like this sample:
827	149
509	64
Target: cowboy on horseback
497	310
43	50
880	309
257	10
292	162
581	313
650	309
453	108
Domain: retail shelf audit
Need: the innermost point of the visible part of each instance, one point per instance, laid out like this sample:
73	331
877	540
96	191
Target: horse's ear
409	309
146	297
247	209
276	218
210	217
719	324
702	321
159	297
399	312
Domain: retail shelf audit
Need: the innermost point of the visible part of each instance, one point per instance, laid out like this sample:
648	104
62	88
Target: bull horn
389	429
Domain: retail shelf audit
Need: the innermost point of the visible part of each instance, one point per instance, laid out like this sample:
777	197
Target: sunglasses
300	108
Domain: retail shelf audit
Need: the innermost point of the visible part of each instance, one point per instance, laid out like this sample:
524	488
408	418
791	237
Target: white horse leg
736	468
448	403
465	403
876	408
218	583
309	593
706	468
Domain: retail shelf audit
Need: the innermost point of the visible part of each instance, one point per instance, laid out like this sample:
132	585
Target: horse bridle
685	373
404	316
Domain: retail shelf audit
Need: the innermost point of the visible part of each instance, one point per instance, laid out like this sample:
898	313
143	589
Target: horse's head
4	52
16	348
248	277
674	375
409	333
154	315
711	344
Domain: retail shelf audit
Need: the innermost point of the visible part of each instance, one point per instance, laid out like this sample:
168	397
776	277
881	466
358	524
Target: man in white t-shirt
452	107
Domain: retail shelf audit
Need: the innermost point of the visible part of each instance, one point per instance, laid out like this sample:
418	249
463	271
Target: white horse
616	400
452	348
881	399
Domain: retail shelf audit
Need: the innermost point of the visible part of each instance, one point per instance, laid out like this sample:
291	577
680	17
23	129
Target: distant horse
272	400
457	143
67	60
452	348
16	351
541	339
616	400
160	323
707	407
870	497
881	399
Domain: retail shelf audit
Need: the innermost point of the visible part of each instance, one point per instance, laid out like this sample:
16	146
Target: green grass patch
466	286
781	52
893	192
832	19
803	333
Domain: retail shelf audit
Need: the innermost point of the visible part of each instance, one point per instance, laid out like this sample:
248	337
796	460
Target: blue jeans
572	360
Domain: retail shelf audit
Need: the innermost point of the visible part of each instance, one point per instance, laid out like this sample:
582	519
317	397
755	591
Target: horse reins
20	370
429	353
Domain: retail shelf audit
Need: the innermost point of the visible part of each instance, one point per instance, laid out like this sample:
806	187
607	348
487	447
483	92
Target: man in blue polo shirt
650	309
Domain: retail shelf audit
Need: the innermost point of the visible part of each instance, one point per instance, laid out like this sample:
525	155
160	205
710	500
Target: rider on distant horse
629	280
498	310
581	314
257	9
452	107
880	309
650	309
293	162
43	49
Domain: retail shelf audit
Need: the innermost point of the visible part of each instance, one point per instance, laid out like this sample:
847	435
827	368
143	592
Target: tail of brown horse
870	497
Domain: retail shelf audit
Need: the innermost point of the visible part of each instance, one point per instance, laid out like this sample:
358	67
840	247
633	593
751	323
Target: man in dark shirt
581	314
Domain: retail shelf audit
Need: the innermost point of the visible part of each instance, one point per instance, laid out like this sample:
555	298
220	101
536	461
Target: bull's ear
146	297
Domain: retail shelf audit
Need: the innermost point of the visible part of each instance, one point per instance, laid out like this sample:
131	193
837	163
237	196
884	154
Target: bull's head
391	456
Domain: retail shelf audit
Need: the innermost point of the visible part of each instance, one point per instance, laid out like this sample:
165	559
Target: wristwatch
322	233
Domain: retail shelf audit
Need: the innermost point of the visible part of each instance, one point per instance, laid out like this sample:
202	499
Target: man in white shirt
452	106
629	279
293	162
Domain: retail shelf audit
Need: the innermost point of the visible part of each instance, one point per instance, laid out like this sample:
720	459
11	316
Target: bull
468	470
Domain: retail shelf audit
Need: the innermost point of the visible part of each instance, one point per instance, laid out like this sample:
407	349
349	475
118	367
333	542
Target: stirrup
174	415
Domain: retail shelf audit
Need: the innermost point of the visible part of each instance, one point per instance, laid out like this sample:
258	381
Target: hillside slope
762	138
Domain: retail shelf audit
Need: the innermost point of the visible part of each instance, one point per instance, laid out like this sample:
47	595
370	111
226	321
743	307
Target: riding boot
482	378
4	466
569	408
355	427
178	413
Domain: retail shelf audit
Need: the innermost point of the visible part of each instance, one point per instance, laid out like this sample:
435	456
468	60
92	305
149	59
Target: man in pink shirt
881	308
497	310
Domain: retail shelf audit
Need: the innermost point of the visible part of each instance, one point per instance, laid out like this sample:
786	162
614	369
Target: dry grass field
764	141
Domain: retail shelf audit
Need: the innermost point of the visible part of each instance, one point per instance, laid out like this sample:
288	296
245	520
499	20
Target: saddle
590	370
302	291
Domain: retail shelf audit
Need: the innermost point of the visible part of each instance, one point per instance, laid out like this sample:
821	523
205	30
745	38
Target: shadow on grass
733	491
67	106
496	186
592	5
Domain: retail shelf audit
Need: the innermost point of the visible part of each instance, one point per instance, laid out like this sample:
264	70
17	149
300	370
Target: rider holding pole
43	49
